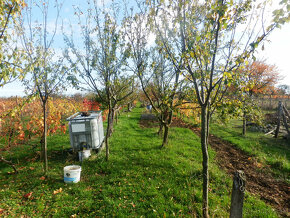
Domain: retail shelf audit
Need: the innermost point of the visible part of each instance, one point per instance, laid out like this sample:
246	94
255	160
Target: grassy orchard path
261	181
140	179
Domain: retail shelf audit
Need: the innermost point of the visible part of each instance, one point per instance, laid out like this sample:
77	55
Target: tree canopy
9	54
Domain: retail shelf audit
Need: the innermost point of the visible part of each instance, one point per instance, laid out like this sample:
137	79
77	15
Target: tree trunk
244	123
207	125
165	136
129	107
205	158
111	121
45	138
160	131
108	135
116	117
161	124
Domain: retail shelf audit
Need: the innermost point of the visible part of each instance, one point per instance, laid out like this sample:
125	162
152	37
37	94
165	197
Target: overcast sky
276	51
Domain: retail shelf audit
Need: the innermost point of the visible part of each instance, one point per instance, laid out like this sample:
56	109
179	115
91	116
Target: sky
276	50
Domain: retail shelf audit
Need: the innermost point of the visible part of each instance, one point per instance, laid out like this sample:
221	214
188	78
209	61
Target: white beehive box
86	131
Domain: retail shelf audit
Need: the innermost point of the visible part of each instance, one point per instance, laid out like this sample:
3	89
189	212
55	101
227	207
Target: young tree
9	55
214	39
47	72
160	80
164	90
101	65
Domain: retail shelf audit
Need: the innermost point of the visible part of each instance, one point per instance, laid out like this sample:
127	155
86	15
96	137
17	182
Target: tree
256	78
205	33
9	54
47	71
261	77
284	89
9	57
102	64
164	90
160	80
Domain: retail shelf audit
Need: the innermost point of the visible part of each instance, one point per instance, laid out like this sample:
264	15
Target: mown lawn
140	179
270	151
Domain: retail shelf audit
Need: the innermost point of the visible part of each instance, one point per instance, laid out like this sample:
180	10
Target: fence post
280	112
238	191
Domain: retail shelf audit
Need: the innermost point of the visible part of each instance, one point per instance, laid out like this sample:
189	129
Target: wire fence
270	102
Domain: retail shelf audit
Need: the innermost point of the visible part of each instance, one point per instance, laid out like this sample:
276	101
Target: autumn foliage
21	119
261	77
90	105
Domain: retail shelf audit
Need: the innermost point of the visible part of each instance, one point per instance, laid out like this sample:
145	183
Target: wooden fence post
280	112
238	192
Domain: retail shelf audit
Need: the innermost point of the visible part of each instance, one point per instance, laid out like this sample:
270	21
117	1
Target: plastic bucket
72	174
85	154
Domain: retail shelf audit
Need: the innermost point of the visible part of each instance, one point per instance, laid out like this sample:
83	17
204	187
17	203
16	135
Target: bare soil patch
260	180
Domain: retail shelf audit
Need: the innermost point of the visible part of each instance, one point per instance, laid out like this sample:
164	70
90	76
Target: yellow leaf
57	191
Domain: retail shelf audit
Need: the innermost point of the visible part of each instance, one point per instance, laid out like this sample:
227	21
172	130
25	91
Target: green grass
268	150
140	179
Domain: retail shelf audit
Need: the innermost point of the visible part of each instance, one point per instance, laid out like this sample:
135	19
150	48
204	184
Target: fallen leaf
259	165
133	205
42	178
28	195
57	191
21	168
31	168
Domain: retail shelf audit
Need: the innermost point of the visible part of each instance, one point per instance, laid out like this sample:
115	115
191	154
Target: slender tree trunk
108	135
205	158
244	123
129	107
45	137
166	128
161	124
111	121
165	136
207	124
160	131
116	117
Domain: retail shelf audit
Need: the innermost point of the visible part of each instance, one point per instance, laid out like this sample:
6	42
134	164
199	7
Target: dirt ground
260	181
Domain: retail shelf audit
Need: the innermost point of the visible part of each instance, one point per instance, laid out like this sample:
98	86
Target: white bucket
72	174
85	154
